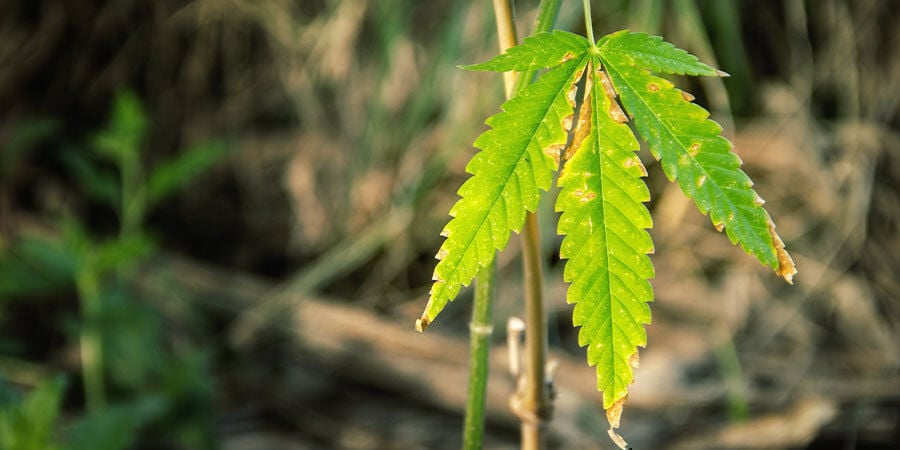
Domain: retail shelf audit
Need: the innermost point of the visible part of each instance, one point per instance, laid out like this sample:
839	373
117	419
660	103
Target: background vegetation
218	221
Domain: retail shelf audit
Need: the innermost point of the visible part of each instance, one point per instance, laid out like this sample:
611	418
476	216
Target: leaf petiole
588	25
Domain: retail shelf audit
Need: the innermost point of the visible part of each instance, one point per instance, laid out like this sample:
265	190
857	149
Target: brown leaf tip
786	268
614	415
422	323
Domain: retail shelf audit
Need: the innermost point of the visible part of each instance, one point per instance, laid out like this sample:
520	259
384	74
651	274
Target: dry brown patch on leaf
582	128
615	111
555	150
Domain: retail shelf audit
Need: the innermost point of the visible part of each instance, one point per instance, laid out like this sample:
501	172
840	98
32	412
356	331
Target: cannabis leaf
537	52
688	145
515	164
606	243
604	219
652	53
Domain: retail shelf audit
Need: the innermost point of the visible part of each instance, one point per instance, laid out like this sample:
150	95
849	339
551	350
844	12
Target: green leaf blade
537	52
606	243
693	154
654	54
508	175
174	174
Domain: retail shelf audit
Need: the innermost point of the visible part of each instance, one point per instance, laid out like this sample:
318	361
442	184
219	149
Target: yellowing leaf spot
634	161
701	181
694	149
652	87
583	196
758	201
634	361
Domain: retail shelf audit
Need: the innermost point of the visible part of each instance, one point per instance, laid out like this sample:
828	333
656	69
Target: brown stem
536	406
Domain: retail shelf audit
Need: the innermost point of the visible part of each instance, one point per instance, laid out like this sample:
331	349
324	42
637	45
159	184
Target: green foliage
28	424
603	217
507	177
537	52
148	385
651	53
606	243
33	267
123	137
115	427
172	175
693	154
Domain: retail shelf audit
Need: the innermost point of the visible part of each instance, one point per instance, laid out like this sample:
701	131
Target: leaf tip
422	323
786	268
480	67
722	73
614	416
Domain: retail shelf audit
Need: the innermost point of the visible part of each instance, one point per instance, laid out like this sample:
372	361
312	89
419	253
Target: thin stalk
132	199
507	37
548	11
480	330
91	339
481	327
588	22
537	400
533	398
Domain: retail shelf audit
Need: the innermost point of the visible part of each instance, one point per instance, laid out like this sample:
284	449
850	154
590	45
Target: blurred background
218	220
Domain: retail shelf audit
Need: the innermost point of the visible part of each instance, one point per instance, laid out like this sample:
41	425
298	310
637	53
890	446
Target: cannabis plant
581	118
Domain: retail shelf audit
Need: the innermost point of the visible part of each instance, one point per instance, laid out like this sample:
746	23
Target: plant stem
533	398
481	327
480	330
588	22
507	37
533	395
132	199
90	339
548	10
